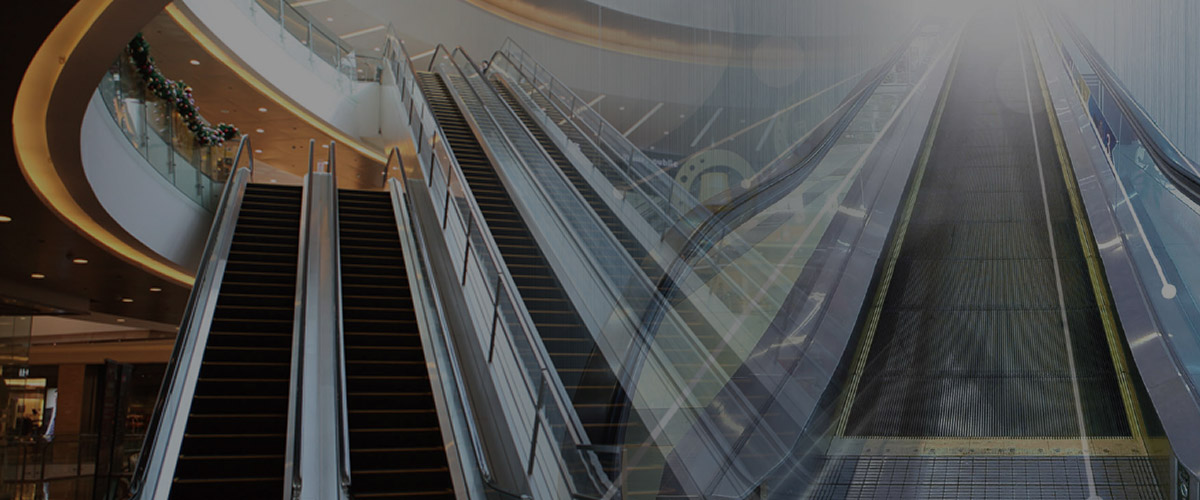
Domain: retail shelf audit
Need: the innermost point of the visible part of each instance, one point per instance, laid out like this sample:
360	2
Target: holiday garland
177	93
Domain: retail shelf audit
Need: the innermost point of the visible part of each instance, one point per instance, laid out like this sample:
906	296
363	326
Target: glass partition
161	136
553	441
1158	218
321	44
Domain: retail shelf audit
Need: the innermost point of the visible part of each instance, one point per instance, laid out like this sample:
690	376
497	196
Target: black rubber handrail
1155	142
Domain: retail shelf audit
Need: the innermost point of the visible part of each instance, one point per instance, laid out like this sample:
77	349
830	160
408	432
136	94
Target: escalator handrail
413	243
626	260
734	286
641	187
510	47
557	391
293	455
641	340
399	52
1187	180
181	375
343	414
700	242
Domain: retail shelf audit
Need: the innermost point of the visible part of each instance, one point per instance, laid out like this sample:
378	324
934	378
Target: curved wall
138	197
351	107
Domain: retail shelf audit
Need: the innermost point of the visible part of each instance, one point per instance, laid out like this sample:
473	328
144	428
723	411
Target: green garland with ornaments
177	93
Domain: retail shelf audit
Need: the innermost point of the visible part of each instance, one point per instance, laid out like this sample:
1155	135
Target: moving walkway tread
396	444
970	342
599	401
235	439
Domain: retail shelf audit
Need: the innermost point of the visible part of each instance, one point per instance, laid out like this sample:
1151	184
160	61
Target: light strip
644	118
425	54
306	3
33	150
214	49
706	127
363	31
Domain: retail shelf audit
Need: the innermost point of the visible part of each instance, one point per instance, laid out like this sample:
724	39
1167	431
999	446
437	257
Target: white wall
136	195
1154	48
283	62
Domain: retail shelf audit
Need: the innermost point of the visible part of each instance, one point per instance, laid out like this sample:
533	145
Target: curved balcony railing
321	44
162	137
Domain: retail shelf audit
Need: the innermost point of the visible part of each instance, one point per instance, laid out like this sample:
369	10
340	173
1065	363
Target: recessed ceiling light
120	320
259	130
155	289
258	151
376	49
262	110
666	132
622	108
80	261
126	300
329	19
5	218
681	115
194	62
37	276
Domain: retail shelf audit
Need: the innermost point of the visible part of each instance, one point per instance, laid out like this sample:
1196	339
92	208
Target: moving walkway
987	342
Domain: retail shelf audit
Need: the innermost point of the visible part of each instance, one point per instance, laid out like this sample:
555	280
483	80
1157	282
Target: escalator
988	365
585	146
595	392
236	434
688	312
618	229
396	446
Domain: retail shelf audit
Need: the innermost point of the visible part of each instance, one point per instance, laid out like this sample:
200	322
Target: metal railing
160	450
293	455
160	135
317	347
63	467
477	473
339	333
322	45
683	211
720	268
543	404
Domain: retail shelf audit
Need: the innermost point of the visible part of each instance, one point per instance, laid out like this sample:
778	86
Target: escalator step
235	438
393	426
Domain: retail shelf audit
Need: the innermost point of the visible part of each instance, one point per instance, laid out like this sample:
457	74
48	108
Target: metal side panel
451	397
160	454
314	429
496	430
1175	402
